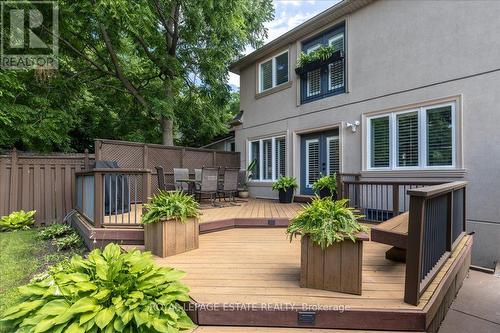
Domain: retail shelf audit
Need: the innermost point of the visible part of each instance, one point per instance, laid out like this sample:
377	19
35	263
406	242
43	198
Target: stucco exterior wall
400	53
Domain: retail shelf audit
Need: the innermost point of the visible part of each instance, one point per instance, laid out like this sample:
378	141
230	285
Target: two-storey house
413	93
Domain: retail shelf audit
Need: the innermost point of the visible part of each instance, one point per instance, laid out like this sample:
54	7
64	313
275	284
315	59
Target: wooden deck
250	277
247	209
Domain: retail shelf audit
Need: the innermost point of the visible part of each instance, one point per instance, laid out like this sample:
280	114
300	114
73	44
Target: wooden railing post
86	163
339	187
146	187
98	199
395	199
414	250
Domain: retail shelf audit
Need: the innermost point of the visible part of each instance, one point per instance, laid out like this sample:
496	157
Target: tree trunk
168	131
167	122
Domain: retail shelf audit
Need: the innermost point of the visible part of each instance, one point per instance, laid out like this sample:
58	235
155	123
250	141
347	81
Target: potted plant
243	193
326	186
331	246
285	187
170	224
321	56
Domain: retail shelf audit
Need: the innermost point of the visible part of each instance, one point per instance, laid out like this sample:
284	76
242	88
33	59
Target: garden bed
22	256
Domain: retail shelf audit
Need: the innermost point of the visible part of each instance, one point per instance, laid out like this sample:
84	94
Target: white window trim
273	72
330	42
328	140
261	157
422	139
308	184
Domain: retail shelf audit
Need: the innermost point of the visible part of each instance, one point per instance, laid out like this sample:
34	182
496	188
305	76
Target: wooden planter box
337	268
167	238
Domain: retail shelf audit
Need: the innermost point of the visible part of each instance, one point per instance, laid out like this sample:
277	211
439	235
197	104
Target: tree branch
81	54
150	55
118	70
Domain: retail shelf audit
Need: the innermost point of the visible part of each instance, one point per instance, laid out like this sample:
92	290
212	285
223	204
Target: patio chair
197	175
230	184
162	185
208	185
181	174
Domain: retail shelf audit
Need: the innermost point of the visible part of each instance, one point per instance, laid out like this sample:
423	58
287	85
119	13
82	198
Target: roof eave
340	9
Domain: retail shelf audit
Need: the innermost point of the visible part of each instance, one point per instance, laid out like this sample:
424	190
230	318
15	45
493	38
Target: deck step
303	198
240	329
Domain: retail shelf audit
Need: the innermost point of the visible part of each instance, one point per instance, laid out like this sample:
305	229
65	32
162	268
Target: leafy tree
166	54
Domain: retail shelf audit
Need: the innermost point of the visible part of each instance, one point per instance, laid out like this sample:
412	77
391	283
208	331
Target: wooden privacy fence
45	183
436	225
135	155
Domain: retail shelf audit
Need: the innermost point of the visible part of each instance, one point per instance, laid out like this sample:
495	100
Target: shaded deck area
250	277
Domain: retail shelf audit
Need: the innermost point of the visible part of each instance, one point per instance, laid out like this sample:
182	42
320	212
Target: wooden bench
393	232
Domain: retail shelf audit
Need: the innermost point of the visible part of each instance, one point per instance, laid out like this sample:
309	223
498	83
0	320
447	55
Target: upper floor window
270	157
273	72
327	78
416	138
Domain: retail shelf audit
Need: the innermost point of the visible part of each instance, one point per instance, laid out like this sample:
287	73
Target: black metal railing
379	201
435	227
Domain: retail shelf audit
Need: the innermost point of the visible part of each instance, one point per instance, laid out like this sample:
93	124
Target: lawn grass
19	261
22	256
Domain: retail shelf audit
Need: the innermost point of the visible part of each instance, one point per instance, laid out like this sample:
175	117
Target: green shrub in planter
54	231
285	187
326	186
170	206
110	291
326	222
17	220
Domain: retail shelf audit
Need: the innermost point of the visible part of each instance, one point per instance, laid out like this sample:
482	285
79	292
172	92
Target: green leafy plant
70	241
284	183
17	220
170	206
322	53
54	231
326	221
326	182
252	167
110	291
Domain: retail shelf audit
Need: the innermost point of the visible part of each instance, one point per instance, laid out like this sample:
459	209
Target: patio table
191	184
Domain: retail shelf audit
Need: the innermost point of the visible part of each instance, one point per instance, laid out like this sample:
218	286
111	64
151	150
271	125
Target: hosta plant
70	241
54	231
326	221
284	183
177	206
110	291
17	220
326	183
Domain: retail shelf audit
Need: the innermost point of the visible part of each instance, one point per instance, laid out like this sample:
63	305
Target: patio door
319	156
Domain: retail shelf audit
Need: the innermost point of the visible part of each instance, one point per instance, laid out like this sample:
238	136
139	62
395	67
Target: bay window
421	138
270	157
273	72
